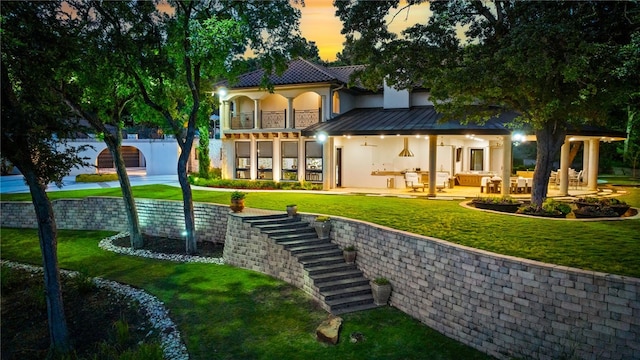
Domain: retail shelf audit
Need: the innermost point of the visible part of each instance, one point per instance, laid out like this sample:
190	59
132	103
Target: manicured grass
606	246
230	313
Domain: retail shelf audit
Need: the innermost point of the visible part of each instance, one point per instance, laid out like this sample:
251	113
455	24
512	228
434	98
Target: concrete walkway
15	184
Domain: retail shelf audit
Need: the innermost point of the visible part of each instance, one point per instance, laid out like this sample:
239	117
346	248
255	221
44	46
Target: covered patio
373	148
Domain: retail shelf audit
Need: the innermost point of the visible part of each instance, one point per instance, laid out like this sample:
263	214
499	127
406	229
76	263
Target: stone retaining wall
156	217
248	248
504	306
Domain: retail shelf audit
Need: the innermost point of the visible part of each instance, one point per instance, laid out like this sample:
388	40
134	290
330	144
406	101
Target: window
265	160
477	160
289	160
313	160
243	160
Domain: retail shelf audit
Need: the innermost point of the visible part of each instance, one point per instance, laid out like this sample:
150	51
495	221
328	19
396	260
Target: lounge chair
412	180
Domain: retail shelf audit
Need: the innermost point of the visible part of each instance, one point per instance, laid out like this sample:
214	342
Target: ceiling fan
366	144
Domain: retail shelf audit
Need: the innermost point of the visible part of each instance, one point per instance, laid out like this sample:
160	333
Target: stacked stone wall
248	248
157	217
505	306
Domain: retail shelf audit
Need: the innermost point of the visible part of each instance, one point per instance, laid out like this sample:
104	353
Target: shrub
237	195
381	281
96	177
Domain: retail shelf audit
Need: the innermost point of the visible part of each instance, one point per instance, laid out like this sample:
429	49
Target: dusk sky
319	24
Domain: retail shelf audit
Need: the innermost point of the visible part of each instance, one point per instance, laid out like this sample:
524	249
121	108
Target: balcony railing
273	119
242	121
305	118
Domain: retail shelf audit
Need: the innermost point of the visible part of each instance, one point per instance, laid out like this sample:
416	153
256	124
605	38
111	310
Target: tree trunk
187	198
549	140
115	147
573	152
47	232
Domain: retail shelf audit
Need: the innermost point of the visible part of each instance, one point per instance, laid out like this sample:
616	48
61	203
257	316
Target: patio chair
411	180
483	182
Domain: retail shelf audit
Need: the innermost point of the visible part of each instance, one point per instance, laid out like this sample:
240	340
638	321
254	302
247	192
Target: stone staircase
341	286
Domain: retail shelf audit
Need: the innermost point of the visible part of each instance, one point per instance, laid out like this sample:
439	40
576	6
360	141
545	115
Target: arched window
335	103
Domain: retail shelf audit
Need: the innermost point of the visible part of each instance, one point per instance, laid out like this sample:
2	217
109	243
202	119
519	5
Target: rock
329	330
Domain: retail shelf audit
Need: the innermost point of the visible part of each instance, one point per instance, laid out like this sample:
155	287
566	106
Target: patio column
288	122
254	159
594	153
564	168
225	116
323	111
433	148
327	166
506	165
585	160
256	113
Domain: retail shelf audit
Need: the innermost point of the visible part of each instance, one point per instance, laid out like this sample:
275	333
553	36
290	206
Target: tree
548	61
35	123
100	90
206	40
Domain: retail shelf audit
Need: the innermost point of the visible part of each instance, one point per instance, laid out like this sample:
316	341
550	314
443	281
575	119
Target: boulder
329	330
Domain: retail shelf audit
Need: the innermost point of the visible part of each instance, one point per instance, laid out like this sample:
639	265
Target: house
314	127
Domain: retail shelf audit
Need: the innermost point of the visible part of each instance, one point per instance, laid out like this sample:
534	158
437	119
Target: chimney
405	151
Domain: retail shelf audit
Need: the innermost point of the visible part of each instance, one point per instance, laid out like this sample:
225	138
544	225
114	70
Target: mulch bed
173	246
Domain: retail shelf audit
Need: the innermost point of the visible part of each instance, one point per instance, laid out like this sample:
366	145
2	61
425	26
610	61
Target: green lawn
230	313
606	246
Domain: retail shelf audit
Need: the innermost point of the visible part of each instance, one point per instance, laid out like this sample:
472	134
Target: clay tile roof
299	71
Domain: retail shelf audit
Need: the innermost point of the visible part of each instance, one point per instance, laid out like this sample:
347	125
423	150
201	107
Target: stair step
347	292
350	309
334	259
330	268
288	228
342	283
296	243
295	236
319	254
265	217
311	248
338	275
340	303
272	220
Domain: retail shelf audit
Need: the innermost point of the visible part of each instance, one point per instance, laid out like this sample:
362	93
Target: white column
564	168
506	165
288	124
594	153
327	163
433	151
225	116
254	159
585	160
256	114
277	159
323	108
302	163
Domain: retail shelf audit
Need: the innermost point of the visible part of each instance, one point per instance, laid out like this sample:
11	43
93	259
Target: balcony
242	121
275	119
305	118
